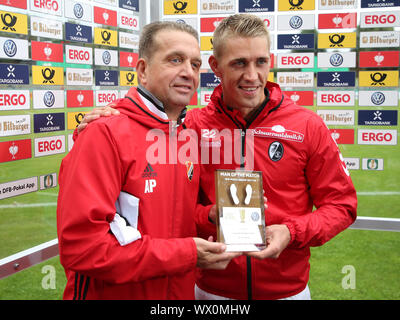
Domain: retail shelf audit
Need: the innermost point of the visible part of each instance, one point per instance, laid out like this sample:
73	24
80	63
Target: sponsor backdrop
60	58
338	58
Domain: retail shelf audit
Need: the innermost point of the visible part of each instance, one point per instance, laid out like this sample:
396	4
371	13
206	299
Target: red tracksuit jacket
109	157
302	167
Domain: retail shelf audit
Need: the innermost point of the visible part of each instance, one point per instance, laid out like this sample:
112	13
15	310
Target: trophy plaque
240	210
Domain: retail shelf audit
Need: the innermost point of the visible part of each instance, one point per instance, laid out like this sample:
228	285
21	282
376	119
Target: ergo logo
377	137
46	4
49	145
12	99
297	60
129	21
107	97
335	98
372	136
380	19
78	55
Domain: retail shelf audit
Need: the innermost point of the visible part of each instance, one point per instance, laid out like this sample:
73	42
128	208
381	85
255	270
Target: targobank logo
296	41
336	79
14	74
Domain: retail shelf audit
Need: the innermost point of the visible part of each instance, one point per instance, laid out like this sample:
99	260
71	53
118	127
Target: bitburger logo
378	78
180	6
48	75
9	21
336	40
296	4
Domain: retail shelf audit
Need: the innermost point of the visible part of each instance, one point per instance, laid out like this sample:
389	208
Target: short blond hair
242	25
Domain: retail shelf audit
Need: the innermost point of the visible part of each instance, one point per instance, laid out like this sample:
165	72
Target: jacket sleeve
90	181
331	190
204	226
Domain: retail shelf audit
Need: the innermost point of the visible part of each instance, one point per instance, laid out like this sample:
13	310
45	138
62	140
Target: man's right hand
212	255
95	114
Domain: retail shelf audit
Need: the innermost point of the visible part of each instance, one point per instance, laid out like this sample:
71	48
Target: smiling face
243	67
172	72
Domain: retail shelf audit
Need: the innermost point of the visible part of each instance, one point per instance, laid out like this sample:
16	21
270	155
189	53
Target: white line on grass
378	193
17	205
41	193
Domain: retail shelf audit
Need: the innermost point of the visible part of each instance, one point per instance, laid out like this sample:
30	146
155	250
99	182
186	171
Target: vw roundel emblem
78	10
255	216
49	99
275	151
378	98
295	22
336	59
106	57
10	48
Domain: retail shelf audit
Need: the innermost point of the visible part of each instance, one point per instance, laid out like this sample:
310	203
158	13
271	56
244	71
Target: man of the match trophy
240	210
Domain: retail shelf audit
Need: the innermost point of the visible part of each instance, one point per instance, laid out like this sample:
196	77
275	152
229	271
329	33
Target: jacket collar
153	104
272	101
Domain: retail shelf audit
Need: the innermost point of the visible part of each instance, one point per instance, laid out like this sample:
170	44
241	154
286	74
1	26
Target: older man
123	232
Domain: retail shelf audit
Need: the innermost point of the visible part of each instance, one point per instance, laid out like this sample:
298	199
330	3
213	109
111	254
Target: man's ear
212	61
141	69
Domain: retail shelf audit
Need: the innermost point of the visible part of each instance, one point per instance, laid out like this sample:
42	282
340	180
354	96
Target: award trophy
240	210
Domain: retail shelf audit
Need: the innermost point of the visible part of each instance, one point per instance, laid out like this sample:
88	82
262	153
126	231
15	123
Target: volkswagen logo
377	98
295	22
78	10
10	48
49	99
106	56
336	59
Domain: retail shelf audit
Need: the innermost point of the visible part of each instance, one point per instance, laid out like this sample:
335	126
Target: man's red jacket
302	168
111	156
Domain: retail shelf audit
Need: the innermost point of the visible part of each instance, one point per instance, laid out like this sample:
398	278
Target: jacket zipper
248	259
242	164
242	158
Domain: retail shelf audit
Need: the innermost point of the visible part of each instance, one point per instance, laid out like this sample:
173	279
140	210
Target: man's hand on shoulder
96	113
